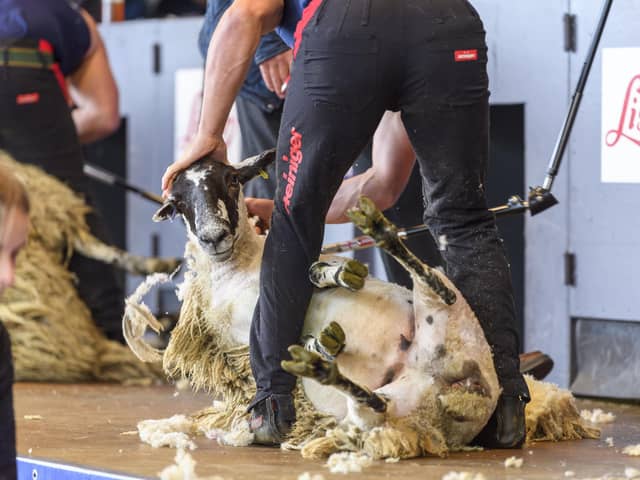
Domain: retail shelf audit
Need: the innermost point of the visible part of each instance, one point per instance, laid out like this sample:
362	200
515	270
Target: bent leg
320	136
447	120
372	222
310	364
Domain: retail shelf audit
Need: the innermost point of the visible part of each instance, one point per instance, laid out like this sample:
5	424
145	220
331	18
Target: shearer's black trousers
7	424
41	132
358	58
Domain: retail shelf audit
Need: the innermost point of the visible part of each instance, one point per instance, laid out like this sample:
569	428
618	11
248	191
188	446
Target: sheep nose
215	238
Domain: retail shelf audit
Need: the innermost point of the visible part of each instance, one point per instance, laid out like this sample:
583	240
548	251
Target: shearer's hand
261	208
275	72
201	145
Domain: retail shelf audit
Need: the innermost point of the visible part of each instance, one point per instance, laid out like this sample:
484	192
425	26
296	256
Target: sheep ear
166	211
253	166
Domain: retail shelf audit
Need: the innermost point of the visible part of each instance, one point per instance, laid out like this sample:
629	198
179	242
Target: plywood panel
82	424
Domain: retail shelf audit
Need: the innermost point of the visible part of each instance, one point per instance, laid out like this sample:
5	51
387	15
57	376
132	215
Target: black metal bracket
570	33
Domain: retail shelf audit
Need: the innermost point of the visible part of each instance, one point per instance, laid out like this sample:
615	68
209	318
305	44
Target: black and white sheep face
207	196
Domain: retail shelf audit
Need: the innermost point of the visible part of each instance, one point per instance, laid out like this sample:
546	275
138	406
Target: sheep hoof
310	364
368	218
350	274
332	339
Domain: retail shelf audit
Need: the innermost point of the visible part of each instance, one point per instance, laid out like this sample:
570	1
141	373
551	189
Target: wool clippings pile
348	462
168	432
597	416
632	450
552	415
464	476
240	435
184	469
513	462
308	476
630	472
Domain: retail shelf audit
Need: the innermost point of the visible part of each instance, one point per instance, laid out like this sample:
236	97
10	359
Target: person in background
14	225
52	57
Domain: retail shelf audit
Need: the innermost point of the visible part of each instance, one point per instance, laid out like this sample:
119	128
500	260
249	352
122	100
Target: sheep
52	333
383	370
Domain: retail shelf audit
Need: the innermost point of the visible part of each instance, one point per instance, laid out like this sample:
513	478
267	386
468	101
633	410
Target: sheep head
208	197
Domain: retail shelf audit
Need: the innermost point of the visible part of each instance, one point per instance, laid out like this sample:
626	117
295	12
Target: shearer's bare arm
230	53
392	162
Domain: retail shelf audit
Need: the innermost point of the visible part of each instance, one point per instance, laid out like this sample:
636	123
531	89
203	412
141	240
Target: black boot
536	364
272	419
506	427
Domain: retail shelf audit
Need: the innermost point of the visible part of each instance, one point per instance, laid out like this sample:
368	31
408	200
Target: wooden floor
82	424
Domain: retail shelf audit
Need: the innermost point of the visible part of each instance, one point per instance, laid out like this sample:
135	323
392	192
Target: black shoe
506	427
272	419
536	364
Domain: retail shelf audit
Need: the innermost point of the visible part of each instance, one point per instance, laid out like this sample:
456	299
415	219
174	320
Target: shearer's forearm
367	183
230	54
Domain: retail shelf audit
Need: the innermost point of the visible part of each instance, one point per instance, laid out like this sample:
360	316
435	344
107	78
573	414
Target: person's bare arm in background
94	91
392	162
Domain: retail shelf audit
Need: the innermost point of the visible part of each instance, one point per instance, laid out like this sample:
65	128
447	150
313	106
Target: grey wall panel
527	64
607	280
147	100
604	222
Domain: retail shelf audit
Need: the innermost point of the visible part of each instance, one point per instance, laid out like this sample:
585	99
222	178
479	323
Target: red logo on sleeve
466	55
27	98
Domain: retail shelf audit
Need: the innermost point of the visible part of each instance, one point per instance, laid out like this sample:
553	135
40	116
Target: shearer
52	56
353	60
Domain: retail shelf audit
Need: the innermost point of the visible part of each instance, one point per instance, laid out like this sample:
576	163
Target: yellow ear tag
264	174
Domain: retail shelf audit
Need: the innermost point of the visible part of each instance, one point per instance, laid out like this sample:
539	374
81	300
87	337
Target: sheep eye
234	181
181	206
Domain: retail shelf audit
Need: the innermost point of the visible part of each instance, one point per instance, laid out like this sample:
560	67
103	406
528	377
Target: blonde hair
12	194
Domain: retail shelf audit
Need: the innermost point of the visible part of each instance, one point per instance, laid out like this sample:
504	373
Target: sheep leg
91	247
329	343
312	365
349	274
372	222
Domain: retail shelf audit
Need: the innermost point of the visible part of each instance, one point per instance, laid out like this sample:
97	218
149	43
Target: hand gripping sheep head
208	196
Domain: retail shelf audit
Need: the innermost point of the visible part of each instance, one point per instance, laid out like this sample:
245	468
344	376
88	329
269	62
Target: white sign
621	115
188	101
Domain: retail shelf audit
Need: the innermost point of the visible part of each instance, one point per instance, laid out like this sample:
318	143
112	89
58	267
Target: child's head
14	224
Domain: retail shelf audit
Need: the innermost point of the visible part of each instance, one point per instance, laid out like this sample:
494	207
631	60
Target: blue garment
253	88
290	17
56	21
